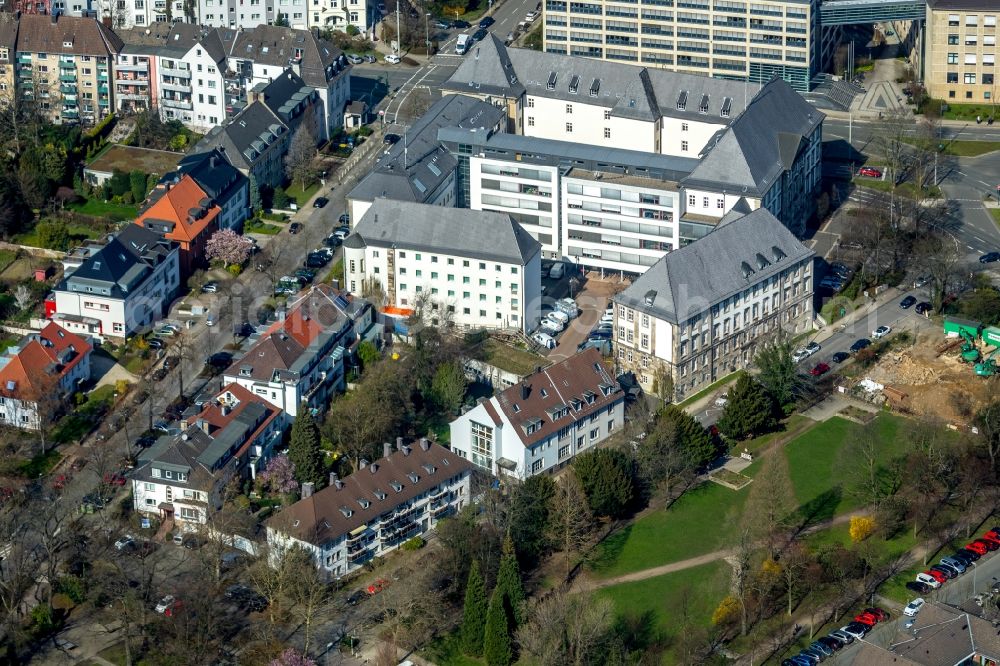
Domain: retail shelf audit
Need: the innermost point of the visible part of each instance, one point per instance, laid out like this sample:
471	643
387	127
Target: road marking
970	247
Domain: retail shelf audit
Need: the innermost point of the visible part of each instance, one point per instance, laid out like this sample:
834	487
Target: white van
544	339
463	44
558	269
559	316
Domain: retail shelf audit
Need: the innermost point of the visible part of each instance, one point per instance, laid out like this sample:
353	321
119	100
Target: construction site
947	374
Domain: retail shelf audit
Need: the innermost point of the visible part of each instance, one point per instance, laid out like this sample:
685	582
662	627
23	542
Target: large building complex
701	311
747	40
961	50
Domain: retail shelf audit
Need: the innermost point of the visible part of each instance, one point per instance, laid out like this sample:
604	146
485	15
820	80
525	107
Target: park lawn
690	527
446	650
906	190
112	211
793	422
995	212
7	257
820	457
661	607
299	195
259	227
77	233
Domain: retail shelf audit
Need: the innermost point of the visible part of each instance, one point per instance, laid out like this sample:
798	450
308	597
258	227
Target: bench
746	455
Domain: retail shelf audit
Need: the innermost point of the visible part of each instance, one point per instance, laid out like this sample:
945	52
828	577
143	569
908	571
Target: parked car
860	344
356	597
600	335
820	369
460	24
165	331
988	544
800	354
531	16
968	554
369	58
166	604
923	307
294	228
344	220
379	585
390	139
341	233
842	636
441	24
989	257
480	35
918	587
487	22
816	646
957	565
907	302
914	607
551	326
320	202
209	288
866	618
544	339
977	548
840	357
870	172
126	542
156	343
559	316
948	570
393	59
937	575
830	643
855	630
881	332
928	580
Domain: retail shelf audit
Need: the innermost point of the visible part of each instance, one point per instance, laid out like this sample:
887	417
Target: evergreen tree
474	613
608	480
691	436
749	411
304	449
509	581
496	637
255	200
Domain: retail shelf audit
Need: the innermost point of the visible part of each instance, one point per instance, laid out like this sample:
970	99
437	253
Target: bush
352	30
416	543
234	269
280	198
72	587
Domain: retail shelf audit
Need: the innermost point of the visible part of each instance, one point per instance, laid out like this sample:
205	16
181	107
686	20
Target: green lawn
714	386
7	257
657	609
258	227
793	422
77	232
962	111
995	212
112	211
446	651
902	190
301	196
822	466
687	529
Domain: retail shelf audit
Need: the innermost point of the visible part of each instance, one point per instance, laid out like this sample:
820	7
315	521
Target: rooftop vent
574	84
551	84
703	107
682	100
595	88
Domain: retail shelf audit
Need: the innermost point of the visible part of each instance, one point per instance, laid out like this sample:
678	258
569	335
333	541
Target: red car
820	369
866	619
977	547
60	482
879	614
378	586
992	535
871	172
988	544
937	575
114	479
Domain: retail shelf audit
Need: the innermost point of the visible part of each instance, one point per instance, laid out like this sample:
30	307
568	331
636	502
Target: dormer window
606	389
364	503
246	371
576	403
429	468
413	477
545	393
346	511
590	397
380	494
396	485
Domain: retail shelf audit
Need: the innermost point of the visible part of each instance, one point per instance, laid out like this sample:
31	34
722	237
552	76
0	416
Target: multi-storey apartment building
8	57
182	477
702	310
190	67
540	424
125	286
64	67
747	40
247	14
418	168
476	269
961	51
338	14
403	494
221	181
135	69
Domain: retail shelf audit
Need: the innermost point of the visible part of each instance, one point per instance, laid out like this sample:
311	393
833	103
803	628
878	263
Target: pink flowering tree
292	658
279	476
228	247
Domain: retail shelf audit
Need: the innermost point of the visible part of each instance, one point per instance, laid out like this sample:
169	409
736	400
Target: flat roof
130	158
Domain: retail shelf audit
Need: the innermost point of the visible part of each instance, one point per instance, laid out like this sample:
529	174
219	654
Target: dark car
320	202
317	260
461	24
160	373
840	357
294	228
487	22
390	139
965	557
989	257
344	219
923	308
356	597
480	35
602	334
907	302
946	571
830	643
441	24
861	344
918	587
192	542
156	343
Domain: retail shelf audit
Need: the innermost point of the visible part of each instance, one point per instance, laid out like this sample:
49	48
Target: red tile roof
37	353
175	206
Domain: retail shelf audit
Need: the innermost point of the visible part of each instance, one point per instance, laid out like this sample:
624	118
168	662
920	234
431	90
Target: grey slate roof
414	167
459	231
692	278
751	153
286	95
130	255
218	178
630	91
319	61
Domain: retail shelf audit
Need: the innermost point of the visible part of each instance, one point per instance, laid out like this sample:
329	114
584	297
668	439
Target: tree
509	581
301	152
690	436
23	297
530	516
304	450
474	613
279	476
290	657
749	411
861	528
988	420
770	503
229	247
137	185
982	305
571	520
255	200
53	234
778	373
280	199
448	386
607	478
368	353
496	637
663	383
14	210
282	20
564	628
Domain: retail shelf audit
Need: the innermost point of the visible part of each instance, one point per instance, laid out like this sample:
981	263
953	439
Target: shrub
861	528
352	30
72	587
416	543
280	198
235	269
727	612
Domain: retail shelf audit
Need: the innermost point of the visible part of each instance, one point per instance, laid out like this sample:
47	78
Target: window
704	202
952	77
953	19
684	146
594	434
149	486
970	58
607	132
482	445
684	127
691	201
563	452
720	203
531	102
536	466
611	425
970	77
569	109
531	121
569	128
952	58
953	40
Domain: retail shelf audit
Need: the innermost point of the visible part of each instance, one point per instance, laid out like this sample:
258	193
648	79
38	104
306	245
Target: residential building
189	67
540	424
64	67
299	360
262	54
222	182
126	285
732	39
8	57
183	477
417	168
338	14
135	70
183	213
370	513
256	140
39	373
961	51
478	269
700	312
240	15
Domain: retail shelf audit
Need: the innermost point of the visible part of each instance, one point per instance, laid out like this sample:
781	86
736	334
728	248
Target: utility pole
427	34
399	35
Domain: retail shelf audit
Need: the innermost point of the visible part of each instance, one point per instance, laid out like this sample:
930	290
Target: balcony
67	64
67	90
104	101
176	72
176	104
134	82
70	97
102	75
24	59
102	89
68	78
133	97
442	511
176	87
137	67
70	114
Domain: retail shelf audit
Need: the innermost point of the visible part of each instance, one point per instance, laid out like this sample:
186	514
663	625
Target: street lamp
427	34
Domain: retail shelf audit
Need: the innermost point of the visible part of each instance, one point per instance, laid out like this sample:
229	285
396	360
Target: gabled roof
52	352
240	141
690	279
369	493
213	173
319	61
121	264
458	231
8	33
286	96
749	156
185	36
181	211
552	398
70	35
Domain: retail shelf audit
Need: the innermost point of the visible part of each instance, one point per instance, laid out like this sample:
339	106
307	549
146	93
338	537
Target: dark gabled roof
8	33
236	140
690	279
133	253
286	95
320	61
218	178
486	235
140	39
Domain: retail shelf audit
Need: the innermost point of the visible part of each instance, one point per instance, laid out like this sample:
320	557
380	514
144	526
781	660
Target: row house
476	269
702	311
338	14
39	373
222	182
372	512
540	424
249	14
182	477
136	74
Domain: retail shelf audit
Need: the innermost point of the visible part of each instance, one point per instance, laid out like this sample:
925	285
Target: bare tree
564	628
23	297
771	504
275	574
570	520
940	258
302	152
742	581
311	598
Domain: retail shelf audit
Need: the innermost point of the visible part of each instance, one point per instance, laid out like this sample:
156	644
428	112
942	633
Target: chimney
307	489
338	484
333	478
386	449
55	17
362	463
399	443
406	450
184	425
425	444
373	467
224	409
525	391
280	314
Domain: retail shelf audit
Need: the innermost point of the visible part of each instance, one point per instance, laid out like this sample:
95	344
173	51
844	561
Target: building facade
338	14
733	39
403	494
961	51
476	269
8	57
222	182
126	285
701	311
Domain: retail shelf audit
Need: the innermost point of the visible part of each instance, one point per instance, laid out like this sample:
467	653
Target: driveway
105	370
